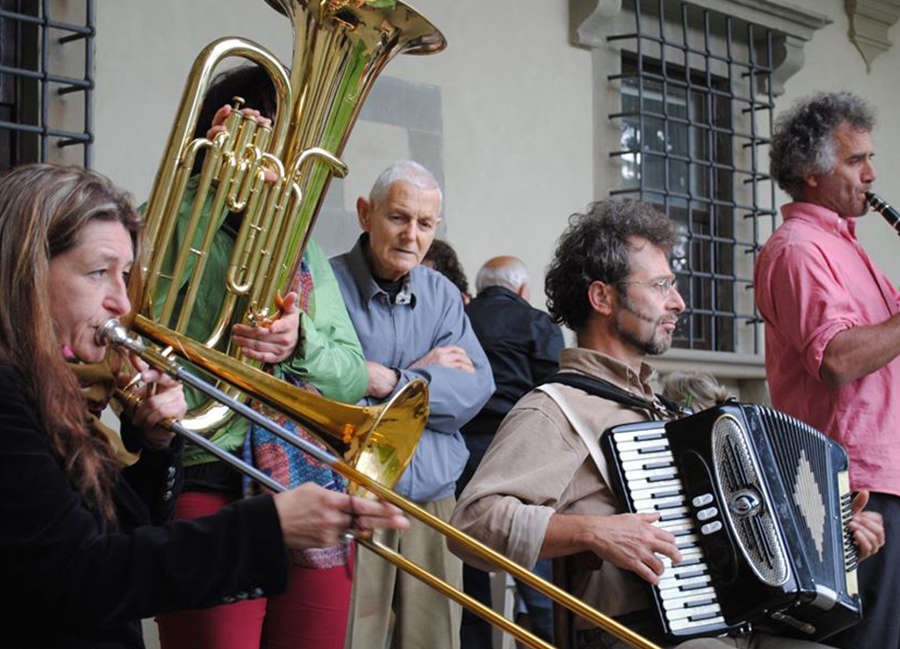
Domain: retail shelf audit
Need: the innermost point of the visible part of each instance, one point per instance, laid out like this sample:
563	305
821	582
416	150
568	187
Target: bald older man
522	345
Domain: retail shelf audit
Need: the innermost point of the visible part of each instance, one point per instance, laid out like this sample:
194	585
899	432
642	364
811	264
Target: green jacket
328	353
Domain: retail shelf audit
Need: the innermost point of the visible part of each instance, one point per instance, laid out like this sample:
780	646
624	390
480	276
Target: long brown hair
43	209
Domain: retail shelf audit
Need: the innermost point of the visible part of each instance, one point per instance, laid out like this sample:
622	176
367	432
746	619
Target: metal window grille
46	82
695	124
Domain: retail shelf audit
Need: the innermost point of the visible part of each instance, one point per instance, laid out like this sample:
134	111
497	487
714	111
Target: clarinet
884	208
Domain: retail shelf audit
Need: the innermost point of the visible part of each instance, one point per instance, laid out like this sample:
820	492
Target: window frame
31	86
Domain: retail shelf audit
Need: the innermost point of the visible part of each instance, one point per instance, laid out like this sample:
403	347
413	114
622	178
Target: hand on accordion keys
868	528
632	542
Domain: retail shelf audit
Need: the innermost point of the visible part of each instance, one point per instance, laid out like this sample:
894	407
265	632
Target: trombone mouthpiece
112	332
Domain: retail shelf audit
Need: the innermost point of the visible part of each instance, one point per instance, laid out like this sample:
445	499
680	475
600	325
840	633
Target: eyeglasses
663	285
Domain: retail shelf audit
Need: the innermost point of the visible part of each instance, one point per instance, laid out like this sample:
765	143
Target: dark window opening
696	111
46	81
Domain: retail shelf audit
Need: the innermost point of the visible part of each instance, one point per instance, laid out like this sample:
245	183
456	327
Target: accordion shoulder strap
585	433
606	390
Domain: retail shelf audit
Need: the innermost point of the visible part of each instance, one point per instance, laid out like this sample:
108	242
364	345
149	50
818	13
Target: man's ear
364	213
811	181
523	291
602	297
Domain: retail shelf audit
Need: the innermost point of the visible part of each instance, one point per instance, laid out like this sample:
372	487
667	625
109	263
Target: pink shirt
813	280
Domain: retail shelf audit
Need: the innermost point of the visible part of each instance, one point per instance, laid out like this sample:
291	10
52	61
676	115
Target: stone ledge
870	21
722	365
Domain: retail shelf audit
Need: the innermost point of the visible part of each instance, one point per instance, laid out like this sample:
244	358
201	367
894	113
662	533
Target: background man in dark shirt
523	346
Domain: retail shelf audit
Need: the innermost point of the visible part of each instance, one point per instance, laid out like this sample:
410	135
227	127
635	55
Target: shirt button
171	473
242	595
168	495
228	599
257	592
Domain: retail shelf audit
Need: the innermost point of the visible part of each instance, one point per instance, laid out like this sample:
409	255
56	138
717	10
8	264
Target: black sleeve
158	477
62	559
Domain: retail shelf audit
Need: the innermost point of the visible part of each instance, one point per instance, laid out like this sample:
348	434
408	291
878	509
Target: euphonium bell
340	47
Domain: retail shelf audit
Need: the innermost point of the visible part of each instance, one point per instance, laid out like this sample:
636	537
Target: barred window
695	124
46	81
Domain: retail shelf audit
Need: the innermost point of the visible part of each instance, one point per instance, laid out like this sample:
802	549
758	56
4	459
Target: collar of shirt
501	291
606	367
821	217
362	274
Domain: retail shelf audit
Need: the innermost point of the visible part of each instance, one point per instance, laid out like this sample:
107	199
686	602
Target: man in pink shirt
833	324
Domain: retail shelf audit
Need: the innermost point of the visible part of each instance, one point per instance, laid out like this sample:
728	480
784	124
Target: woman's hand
274	343
314	517
218	122
218	126
161	397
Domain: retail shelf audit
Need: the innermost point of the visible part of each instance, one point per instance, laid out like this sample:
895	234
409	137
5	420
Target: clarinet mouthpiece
884	208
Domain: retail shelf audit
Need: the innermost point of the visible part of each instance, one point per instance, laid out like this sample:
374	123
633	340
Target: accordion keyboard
685	592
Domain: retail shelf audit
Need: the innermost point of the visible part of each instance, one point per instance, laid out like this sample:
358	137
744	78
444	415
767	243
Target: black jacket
74	580
522	345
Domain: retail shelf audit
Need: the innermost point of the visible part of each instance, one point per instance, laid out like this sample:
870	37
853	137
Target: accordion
759	504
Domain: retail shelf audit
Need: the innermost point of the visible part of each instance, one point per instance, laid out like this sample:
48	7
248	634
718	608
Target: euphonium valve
884	208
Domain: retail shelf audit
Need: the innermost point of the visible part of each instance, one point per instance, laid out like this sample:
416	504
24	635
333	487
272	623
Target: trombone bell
381	439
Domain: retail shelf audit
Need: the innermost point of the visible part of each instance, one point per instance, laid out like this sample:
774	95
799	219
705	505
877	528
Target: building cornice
793	26
870	21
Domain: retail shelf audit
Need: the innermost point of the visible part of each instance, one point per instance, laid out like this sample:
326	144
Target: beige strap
585	433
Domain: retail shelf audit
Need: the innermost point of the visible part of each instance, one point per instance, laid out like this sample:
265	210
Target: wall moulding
870	21
590	21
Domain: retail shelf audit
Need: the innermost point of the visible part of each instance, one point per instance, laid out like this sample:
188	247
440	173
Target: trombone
114	333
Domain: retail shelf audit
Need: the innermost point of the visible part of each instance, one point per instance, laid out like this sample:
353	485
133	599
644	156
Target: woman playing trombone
83	550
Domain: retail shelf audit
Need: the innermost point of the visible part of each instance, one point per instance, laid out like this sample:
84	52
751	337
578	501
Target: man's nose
410	229
868	173
676	302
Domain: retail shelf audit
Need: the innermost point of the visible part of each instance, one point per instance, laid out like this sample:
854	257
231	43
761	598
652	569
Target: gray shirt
427	313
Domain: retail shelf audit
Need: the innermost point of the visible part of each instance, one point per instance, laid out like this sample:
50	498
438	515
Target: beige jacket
537	466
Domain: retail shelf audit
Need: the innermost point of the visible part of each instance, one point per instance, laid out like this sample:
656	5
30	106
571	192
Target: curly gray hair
802	144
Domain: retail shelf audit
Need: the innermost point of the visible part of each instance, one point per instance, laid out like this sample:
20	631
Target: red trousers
311	614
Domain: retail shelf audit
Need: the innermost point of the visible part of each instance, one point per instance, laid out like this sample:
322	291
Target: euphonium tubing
116	334
340	46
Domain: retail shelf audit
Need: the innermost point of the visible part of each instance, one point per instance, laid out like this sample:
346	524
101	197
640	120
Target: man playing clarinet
833	324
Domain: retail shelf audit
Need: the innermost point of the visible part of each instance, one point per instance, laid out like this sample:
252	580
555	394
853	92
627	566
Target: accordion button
702	500
711	528
706	514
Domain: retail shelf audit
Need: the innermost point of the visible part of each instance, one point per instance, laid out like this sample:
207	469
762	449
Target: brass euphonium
339	48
